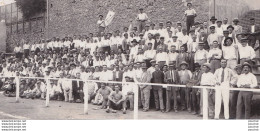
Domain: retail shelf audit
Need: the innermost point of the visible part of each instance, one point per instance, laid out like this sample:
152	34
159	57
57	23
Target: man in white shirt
142	18
101	24
214	57
225	24
149	54
219	28
201	55
207	79
190	16
237	28
245	80
161	57
246	52
252	29
213	36
172	55
224	78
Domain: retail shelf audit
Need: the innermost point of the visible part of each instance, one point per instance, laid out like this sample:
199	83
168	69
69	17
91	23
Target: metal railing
135	90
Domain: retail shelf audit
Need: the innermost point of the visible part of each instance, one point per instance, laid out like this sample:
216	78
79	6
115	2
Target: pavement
59	110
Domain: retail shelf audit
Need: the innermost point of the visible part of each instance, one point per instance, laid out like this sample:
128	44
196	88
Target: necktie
222	76
172	76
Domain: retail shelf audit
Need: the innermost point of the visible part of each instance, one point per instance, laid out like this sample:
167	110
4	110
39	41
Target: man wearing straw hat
246	80
185	75
207	79
171	77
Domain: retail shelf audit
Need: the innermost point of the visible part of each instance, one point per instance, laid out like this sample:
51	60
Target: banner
109	18
2	36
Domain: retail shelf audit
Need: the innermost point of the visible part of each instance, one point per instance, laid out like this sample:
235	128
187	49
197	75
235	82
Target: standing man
245	80
190	16
207	79
101	24
214	57
224	78
145	89
172	77
142	18
158	78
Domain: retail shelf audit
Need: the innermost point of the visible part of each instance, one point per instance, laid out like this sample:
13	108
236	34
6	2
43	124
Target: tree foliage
31	8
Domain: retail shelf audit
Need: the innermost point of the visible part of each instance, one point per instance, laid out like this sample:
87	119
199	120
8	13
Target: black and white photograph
129	60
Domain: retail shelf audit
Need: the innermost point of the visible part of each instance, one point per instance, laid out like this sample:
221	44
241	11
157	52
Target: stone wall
68	17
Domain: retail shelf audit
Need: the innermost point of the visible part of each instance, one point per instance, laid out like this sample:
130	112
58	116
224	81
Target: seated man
92	90
55	91
39	90
104	91
9	88
127	90
27	93
116	101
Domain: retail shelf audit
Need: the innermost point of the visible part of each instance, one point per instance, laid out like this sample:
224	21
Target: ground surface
59	110
35	109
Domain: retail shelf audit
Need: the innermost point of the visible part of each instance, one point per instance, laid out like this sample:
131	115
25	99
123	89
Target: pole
205	103
47	93
47	17
85	98
215	8
136	92
17	80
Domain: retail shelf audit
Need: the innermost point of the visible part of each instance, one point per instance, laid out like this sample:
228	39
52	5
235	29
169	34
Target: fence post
85	98
47	93
136	93
17	81
205	103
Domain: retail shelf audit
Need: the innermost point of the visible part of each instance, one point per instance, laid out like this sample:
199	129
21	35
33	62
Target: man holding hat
142	18
249	81
171	77
190	15
207	79
246	52
185	75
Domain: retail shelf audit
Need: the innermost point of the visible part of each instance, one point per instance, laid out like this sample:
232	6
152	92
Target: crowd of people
215	54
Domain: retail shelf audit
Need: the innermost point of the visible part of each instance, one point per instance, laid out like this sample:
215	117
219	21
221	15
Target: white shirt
190	12
216	51
200	55
228	75
212	37
172	56
229	52
252	28
246	52
208	79
149	54
101	23
128	88
142	16
247	79
26	46
161	56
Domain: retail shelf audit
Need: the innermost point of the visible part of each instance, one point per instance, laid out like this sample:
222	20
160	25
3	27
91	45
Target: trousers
158	98
244	99
145	98
171	94
222	93
190	22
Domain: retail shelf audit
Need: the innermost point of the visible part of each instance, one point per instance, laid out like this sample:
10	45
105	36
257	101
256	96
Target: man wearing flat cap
142	18
253	29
